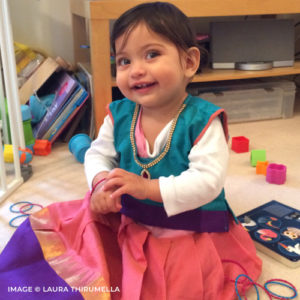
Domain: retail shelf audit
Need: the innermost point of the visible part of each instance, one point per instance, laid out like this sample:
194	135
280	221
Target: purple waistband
195	220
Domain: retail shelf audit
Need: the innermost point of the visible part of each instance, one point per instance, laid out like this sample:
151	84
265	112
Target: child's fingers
117	172
118	193
113	205
112	183
103	207
101	204
118	204
116	208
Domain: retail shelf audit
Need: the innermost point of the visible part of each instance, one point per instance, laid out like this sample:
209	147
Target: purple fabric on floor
24	274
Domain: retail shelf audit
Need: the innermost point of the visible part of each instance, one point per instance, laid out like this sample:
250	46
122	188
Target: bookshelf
91	26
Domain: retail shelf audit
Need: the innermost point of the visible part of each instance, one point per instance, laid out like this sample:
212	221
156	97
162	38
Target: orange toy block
261	167
42	147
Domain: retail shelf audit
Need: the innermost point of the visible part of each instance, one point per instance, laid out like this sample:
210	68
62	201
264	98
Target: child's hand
124	182
102	202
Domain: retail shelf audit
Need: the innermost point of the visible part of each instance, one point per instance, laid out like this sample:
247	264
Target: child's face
150	70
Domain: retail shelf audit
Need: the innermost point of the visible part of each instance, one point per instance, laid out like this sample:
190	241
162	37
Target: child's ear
192	61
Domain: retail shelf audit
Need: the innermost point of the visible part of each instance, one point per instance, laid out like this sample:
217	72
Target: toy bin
270	87
288	88
248	105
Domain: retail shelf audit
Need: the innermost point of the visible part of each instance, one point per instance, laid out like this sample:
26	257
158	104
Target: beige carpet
245	190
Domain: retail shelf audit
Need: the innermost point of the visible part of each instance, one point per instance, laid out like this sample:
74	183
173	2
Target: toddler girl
160	159
155	224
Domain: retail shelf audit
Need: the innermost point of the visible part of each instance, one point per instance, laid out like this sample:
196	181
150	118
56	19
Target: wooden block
37	79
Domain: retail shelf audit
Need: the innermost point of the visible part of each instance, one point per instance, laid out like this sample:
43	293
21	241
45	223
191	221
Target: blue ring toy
236	282
283	284
20	202
17	217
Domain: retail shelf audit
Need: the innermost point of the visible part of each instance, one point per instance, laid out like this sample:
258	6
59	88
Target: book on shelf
62	85
275	229
84	75
68	112
76	124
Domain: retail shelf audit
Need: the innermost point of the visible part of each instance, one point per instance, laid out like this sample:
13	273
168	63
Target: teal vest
191	125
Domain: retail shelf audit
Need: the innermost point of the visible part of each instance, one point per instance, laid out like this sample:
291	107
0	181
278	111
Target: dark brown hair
162	18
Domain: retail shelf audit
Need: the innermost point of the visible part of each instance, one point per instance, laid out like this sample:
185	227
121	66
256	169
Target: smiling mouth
143	86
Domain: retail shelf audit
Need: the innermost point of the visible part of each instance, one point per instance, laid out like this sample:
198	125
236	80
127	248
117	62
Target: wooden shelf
217	75
112	9
209	74
99	13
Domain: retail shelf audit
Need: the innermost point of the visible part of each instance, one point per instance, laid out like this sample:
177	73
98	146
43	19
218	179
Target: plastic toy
23	211
257	155
39	106
261	167
8	153
78	145
30	147
240	144
42	147
25	155
26	117
276	173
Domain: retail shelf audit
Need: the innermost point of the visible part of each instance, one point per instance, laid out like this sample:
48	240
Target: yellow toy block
8	153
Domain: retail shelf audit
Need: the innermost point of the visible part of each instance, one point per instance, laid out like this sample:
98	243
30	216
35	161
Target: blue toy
39	106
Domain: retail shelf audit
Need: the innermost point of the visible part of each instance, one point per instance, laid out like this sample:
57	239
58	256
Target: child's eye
152	54
123	61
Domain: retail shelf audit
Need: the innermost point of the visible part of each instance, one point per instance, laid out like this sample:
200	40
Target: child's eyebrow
143	48
153	45
121	53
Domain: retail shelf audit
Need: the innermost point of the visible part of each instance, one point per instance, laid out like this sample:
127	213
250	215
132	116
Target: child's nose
137	69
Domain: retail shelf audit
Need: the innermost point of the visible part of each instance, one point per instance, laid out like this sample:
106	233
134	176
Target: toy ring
23	211
252	282
17	203
283	283
15	218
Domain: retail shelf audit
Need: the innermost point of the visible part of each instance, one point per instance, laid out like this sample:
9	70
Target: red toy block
240	144
42	147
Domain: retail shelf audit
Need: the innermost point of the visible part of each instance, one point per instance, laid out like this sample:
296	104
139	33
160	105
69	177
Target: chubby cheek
122	83
169	77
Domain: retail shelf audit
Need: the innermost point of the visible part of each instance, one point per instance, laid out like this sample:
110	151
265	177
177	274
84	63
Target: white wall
44	25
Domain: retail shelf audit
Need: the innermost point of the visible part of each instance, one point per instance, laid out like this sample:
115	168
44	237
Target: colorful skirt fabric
66	252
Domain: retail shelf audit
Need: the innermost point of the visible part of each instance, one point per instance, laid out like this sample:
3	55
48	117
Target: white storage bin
248	105
288	88
288	91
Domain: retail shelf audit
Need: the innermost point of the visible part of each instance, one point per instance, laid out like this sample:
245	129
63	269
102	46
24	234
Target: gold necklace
145	173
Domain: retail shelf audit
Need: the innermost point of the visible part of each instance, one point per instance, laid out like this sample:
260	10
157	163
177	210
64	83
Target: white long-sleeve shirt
201	183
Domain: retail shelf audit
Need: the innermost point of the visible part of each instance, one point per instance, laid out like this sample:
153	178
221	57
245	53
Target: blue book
63	86
77	99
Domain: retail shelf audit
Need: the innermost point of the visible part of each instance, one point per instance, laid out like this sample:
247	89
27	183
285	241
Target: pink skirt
124	260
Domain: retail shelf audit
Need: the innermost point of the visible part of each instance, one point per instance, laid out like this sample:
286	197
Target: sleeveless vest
191	125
